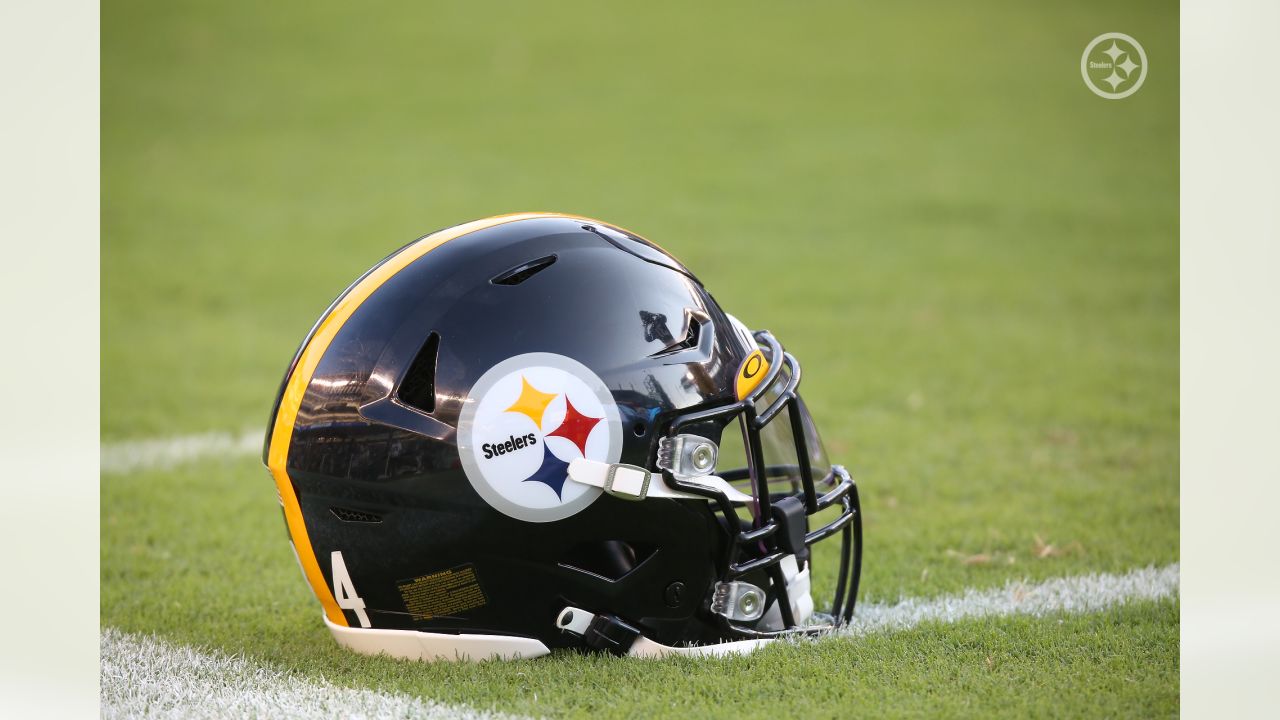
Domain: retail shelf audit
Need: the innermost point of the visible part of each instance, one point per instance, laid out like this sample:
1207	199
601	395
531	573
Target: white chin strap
797	590
576	621
630	482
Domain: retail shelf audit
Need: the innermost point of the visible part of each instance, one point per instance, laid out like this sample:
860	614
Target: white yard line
134	455
1076	594
144	677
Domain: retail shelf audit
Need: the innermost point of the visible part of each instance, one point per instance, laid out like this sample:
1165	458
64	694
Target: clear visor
781	453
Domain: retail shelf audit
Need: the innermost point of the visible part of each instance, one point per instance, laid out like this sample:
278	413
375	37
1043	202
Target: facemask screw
674	594
703	457
747	604
687	456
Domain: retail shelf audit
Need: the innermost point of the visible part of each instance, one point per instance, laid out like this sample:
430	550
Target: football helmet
540	431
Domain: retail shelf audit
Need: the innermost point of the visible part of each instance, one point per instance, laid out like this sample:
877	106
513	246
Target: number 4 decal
344	592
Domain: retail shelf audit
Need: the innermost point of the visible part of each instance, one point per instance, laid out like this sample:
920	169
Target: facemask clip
740	601
687	456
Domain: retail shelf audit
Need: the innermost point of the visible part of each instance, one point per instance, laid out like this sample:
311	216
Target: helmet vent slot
418	389
355	516
520	273
694	322
609	559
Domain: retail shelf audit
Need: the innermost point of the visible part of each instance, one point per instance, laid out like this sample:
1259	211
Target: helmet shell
376	474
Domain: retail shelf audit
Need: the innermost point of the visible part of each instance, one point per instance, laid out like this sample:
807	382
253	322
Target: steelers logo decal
522	424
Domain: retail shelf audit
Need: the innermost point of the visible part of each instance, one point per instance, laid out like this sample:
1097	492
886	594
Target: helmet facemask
768	448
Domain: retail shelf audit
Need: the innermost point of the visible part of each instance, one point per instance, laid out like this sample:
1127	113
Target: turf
975	259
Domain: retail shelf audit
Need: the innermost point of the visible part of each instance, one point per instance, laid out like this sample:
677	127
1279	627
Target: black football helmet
540	431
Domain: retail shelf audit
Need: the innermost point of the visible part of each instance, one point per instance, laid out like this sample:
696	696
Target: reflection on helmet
540	431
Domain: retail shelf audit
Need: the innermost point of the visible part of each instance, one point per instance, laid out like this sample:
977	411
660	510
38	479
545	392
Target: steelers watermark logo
522	424
1114	66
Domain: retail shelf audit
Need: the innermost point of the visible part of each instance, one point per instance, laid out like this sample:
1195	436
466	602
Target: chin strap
608	633
631	482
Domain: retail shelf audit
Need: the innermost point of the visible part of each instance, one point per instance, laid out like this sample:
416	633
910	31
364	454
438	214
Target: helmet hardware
740	601
687	455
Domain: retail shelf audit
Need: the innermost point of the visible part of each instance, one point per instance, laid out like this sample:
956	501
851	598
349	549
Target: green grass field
975	258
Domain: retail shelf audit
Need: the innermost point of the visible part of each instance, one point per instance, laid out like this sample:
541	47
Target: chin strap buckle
599	632
627	482
630	482
611	635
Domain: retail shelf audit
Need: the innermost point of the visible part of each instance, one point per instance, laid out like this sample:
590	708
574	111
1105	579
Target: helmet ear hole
609	559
